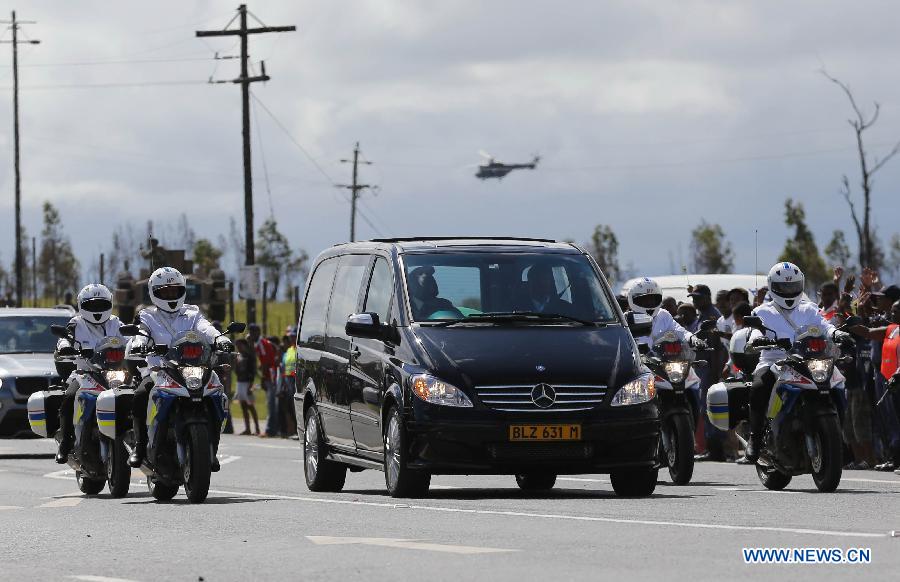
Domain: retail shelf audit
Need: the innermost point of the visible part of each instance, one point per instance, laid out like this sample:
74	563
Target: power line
287	132
110	85
262	156
115	62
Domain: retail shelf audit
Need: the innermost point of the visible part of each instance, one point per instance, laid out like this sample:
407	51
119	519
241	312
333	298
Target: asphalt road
261	523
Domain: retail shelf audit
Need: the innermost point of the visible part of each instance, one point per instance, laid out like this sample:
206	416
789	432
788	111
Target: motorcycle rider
168	317
784	313
645	297
93	322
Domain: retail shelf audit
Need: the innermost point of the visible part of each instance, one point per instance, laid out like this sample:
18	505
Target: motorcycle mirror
643	349
708	325
129	330
236	327
59	331
784	343
67	351
87	353
753	321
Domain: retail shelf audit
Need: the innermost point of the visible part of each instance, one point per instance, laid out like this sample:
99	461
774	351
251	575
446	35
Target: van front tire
400	480
634	482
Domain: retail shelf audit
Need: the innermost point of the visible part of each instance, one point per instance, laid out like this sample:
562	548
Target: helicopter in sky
494	168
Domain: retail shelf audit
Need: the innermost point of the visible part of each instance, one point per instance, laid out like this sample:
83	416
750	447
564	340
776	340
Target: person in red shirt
267	354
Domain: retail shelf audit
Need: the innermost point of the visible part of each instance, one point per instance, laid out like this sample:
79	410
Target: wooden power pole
244	81
14	25
355	188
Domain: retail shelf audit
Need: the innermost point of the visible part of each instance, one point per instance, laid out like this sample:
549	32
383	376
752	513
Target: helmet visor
649	301
787	289
169	292
96	305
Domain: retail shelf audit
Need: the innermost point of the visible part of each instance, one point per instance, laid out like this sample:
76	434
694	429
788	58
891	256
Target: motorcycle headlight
193	376
820	370
641	389
677	371
115	378
436	391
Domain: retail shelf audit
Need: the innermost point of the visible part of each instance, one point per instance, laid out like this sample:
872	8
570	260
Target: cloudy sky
649	116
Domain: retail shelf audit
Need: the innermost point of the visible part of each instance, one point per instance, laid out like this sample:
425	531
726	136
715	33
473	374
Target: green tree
801	249
273	253
893	260
206	256
710	251
604	247
58	268
837	250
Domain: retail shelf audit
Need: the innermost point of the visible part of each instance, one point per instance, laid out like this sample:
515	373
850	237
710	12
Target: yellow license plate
545	432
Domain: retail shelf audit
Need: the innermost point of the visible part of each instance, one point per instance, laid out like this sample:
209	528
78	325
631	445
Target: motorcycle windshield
811	341
190	348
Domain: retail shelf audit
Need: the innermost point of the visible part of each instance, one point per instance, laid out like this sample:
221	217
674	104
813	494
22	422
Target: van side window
378	298
345	295
312	322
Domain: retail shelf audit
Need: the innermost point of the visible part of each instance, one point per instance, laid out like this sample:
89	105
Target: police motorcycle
672	362
186	412
803	425
99	455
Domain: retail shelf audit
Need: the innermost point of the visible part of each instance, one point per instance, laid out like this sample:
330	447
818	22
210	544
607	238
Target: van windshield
476	285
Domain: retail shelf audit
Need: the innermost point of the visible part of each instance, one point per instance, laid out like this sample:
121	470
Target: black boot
754	446
65	447
137	455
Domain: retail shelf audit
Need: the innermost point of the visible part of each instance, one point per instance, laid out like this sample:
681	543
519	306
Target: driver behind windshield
543	296
423	296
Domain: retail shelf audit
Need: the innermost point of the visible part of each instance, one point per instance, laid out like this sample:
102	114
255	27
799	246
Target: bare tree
869	253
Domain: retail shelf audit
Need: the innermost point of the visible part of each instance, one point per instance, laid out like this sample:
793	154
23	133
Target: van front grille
541	397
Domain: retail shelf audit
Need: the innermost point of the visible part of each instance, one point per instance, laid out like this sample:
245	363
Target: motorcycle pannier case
43	412
728	403
114	411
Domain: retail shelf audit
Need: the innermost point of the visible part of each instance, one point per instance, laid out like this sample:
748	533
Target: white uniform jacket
163	327
776	319
663	322
89	336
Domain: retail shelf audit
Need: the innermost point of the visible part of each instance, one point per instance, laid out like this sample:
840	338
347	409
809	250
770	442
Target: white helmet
786	284
95	303
645	297
167	289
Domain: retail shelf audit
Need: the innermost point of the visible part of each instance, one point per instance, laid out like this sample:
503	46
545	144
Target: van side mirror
365	325
639	324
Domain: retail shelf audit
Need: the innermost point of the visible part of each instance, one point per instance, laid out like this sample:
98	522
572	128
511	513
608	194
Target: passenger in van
423	296
542	294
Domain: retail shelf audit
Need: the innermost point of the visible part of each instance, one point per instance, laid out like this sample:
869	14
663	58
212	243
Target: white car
26	361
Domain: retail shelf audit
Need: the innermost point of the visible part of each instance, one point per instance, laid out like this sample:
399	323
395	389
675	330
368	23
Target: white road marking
890	481
744	490
581	479
63	502
445	487
88	578
589	518
405	544
2	507
225	459
264	446
61	474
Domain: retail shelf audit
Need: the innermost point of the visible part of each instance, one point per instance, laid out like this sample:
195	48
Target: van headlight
677	371
820	370
435	391
115	378
641	389
193	376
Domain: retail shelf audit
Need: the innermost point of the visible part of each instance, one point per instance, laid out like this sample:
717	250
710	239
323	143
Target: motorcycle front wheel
197	464
680	451
826	453
118	473
87	485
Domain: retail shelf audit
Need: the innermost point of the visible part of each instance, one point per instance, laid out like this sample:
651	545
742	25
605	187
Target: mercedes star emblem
543	395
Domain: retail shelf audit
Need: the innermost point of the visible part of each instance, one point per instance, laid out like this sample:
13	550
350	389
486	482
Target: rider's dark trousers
759	400
67	410
139	409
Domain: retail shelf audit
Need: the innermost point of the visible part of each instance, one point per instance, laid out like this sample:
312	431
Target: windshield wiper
516	316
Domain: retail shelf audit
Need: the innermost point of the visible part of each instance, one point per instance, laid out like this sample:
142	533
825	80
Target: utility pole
14	25
244	81
34	271
354	188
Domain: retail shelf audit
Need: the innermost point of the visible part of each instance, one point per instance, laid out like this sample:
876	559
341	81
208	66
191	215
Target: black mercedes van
470	356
